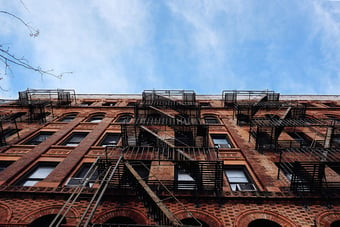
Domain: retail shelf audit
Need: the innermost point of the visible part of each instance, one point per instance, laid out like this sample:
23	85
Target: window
238	179
39	138
109	104
39	173
124	119
68	117
336	140
86	103
4	165
82	173
211	120
110	139
221	141
205	104
131	104
184	180
301	138
74	139
96	118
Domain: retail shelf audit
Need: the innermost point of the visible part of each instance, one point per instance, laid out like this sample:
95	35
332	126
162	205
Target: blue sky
126	46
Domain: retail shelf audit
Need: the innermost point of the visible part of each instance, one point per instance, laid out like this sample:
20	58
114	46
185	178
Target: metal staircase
104	181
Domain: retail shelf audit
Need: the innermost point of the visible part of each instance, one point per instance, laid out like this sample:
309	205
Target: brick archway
244	219
5	213
327	218
203	216
70	217
134	214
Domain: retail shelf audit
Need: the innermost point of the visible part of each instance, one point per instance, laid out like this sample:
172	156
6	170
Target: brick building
169	158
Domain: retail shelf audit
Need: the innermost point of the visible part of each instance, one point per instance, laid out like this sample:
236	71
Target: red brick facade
270	199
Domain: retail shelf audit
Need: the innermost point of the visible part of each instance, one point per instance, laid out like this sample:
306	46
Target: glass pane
30	183
110	139
42	172
184	177
236	175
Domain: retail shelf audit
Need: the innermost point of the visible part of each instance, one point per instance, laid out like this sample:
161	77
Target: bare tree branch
8	59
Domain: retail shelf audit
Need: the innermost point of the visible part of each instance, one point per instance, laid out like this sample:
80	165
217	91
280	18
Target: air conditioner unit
246	187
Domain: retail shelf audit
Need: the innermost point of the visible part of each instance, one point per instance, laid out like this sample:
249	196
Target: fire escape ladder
257	106
97	196
78	190
155	206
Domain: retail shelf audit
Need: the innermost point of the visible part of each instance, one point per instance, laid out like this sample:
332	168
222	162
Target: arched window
68	117
120	220
335	223
95	118
263	222
211	120
194	222
126	118
44	221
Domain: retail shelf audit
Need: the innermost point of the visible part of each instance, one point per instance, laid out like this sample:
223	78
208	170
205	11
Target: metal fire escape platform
306	168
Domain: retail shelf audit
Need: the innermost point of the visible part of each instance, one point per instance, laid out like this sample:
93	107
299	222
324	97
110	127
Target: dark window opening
335	140
45	221
131	104
39	138
110	139
221	141
68	118
301	138
330	104
38	173
83	172
263	222
120	220
109	104
193	222
74	139
335	223
124	119
184	138
239	179
4	165
205	104
211	120
86	103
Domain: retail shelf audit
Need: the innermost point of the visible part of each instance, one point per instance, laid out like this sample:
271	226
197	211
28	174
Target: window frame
34	140
29	176
119	121
67	117
214	120
101	142
4	164
67	141
184	180
227	139
81	173
246	184
96	118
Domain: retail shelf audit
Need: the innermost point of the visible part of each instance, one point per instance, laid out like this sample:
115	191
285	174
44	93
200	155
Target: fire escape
246	104
303	158
38	101
165	153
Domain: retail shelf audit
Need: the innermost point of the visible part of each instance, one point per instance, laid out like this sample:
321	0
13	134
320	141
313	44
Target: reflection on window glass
39	138
74	139
110	139
39	173
238	179
221	141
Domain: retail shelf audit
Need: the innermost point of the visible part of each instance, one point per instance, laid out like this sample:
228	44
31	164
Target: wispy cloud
207	45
